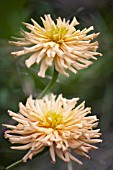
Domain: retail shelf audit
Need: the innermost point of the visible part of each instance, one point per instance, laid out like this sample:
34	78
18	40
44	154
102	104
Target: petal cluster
55	122
59	44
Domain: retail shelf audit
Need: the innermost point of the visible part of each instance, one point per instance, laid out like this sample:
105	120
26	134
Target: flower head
59	43
54	122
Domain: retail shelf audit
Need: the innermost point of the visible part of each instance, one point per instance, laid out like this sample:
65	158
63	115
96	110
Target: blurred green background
94	84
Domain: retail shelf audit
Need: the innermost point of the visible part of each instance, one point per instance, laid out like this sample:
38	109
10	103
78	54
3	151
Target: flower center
53	119
57	33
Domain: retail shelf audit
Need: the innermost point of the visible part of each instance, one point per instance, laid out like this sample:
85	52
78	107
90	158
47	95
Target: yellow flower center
53	119
57	33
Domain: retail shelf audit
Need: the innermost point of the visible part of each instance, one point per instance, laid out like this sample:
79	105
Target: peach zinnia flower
59	43
53	122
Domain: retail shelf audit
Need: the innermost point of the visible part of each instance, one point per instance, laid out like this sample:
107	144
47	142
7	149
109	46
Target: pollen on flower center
53	119
57	33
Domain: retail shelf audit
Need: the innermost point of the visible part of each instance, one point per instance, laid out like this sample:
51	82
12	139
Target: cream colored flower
54	122
58	43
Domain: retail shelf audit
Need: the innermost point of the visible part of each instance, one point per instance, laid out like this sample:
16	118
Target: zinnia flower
59	43
54	122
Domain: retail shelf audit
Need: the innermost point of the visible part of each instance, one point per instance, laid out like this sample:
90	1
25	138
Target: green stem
14	164
21	161
70	166
50	85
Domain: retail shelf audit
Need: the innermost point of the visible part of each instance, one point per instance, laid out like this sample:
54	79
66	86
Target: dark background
94	84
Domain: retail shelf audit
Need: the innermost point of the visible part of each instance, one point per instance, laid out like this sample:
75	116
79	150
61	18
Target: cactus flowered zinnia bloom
59	44
54	122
